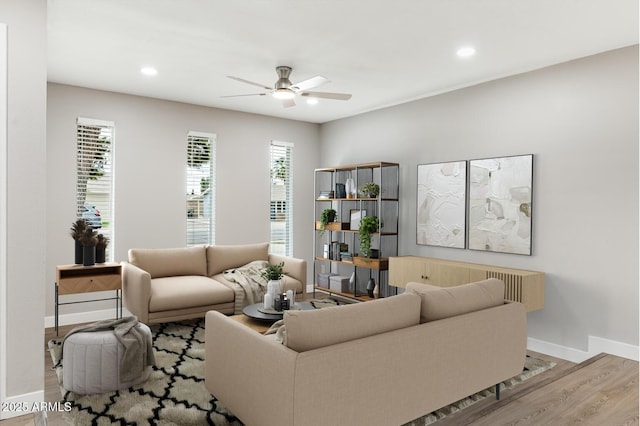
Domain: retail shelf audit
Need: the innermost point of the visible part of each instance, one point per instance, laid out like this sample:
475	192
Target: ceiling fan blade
288	103
250	94
253	83
326	95
310	83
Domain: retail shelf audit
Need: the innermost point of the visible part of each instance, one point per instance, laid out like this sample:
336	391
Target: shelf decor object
441	204
341	252
500	204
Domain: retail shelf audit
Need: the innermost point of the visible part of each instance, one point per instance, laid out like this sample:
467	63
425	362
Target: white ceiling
382	52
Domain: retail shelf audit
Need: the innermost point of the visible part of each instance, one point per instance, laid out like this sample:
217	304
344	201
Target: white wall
580	120
150	146
22	377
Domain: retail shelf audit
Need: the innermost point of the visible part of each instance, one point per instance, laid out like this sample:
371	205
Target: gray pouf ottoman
91	362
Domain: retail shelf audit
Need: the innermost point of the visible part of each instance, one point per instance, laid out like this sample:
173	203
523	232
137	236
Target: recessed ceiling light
148	71
312	101
466	52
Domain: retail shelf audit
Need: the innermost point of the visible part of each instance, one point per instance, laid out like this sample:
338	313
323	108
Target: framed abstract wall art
441	204
500	204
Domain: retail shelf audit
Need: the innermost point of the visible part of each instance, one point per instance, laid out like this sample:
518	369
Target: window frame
204	201
105	207
281	149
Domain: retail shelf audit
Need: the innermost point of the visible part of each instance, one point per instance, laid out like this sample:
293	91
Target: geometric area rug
175	393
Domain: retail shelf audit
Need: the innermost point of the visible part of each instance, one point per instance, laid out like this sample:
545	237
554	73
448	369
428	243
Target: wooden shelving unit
344	231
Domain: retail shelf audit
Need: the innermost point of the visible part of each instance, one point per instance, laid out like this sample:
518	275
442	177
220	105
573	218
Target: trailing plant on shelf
370	189
368	225
327	216
273	272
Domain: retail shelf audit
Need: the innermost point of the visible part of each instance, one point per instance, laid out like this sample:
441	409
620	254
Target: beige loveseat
160	285
384	362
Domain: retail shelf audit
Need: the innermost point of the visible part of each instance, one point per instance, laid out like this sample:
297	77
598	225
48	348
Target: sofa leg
498	391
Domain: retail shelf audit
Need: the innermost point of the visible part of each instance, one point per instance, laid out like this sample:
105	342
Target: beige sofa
161	285
384	362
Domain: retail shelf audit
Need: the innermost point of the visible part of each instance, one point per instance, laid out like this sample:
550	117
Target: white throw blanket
249	286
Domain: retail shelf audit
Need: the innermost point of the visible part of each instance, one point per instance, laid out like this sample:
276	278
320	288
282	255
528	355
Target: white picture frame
441	204
356	216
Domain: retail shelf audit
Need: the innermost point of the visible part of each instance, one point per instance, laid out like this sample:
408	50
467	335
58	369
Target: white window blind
281	209
94	177
201	188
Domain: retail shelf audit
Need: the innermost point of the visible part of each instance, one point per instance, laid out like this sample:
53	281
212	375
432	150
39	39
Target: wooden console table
73	279
526	287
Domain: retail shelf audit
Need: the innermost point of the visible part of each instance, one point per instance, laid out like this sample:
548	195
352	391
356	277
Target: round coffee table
252	312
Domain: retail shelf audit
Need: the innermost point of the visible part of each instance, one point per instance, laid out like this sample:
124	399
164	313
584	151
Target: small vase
371	285
78	254
101	254
350	188
88	255
273	288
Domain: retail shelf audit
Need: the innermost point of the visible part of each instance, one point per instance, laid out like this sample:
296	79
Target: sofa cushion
444	302
221	258
170	262
307	330
188	291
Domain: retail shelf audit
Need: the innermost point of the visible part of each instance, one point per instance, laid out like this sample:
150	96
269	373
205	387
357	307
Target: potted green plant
327	216
273	272
370	189
89	241
77	229
368	225
101	248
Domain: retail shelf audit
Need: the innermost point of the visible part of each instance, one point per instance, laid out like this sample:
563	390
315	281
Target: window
201	188
281	209
94	179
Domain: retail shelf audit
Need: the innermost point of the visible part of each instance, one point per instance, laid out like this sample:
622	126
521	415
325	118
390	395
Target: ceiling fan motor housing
283	80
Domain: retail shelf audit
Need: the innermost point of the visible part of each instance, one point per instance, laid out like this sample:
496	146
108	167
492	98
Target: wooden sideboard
521	285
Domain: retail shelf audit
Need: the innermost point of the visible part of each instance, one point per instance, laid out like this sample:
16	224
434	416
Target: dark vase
101	254
371	284
88	255
78	252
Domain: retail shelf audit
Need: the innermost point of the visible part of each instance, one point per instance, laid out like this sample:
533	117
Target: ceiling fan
284	90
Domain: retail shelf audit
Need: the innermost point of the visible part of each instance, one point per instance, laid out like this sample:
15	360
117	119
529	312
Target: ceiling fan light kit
284	90
283	94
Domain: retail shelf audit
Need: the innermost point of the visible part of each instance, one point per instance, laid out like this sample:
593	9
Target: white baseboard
624	350
83	317
21	405
596	345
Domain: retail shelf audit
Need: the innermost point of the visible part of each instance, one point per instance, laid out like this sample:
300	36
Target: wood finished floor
602	391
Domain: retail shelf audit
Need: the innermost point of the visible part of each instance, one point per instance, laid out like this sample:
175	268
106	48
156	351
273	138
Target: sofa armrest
251	374
295	268
136	290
